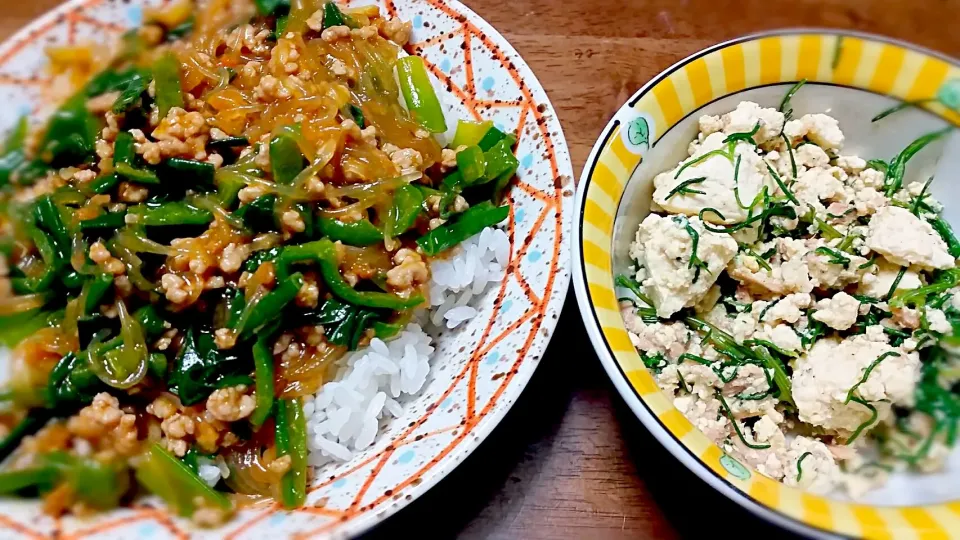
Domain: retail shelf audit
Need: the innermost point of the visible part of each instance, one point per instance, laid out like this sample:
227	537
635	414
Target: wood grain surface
570	460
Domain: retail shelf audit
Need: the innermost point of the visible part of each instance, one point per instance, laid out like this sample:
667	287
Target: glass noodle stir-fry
241	195
799	305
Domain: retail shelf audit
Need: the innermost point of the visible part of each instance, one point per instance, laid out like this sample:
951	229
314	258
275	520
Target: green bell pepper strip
419	95
166	74
403	213
96	484
140	176
175	483
358	233
492	137
48	218
188	173
259	214
228	142
471	164
267	7
324	253
98	288
171	213
13	156
235	305
286	160
470	133
14	328
471	222
130	92
52	264
291	440
109	220
104	184
332	16
32	423
157	366
42	478
125	161
263	375
358	116
500	160
70	135
271	305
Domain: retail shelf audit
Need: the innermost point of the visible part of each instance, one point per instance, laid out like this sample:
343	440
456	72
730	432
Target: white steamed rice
374	382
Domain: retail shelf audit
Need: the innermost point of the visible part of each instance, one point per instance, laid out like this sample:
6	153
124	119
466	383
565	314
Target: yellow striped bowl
852	75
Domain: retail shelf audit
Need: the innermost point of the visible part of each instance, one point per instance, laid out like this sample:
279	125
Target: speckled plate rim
548	181
851	59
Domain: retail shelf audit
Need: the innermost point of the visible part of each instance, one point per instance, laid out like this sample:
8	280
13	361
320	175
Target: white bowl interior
884	139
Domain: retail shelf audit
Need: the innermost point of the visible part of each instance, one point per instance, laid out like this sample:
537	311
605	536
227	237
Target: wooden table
570	460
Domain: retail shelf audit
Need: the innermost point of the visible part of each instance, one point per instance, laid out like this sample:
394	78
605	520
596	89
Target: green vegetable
898	165
97	484
471	164
501	165
48	219
803	456
783	187
263	365
647	313
736	424
683	189
403	213
52	263
344	324
170	213
780	376
873	418
286	160
166	74
125	161
324	253
269	7
357	114
227	143
259	215
271	305
899	107
175	483
492	137
471	222
785	102
72	384
836	257
945	280
866	373
104	184
181	30
745	136
99	285
32	423
104	223
201	367
14	328
946	232
13	157
358	233
71	134
130	92
332	16
291	440
188	173
470	133
419	94
695	261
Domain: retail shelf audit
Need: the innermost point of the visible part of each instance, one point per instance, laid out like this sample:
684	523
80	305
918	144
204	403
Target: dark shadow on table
479	497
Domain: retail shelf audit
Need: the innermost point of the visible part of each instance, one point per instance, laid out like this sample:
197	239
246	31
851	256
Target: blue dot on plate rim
506	305
488	84
406	457
492	357
445	65
526	161
417	21
135	15
446	403
340	483
534	255
518	215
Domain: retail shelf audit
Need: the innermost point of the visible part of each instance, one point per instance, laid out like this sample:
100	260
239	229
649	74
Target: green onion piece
166	74
780	376
894	176
836	257
406	207
358	233
803	456
783	187
492	137
170	213
896	283
286	160
332	16
419	95
946	232
746	136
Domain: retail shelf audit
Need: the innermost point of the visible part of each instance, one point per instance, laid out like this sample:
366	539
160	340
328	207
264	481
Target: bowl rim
502	48
615	371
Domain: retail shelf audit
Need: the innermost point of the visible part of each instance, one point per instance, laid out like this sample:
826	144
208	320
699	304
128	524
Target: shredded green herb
736	425
683	189
725	152
894	175
836	257
865	425
793	161
915	206
896	283
899	107
867	372
783	187
695	261
760	260
746	136
803	456
870	262
785	102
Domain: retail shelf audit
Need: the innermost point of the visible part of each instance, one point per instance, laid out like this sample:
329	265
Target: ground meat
335	33
396	31
231	404
410	271
106	424
102	256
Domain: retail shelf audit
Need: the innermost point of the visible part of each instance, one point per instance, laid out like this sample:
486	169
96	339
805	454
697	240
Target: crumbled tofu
839	312
938	321
822	130
905	239
816	185
811	466
716	190
749	115
705	414
668	250
878	281
823	377
670	339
